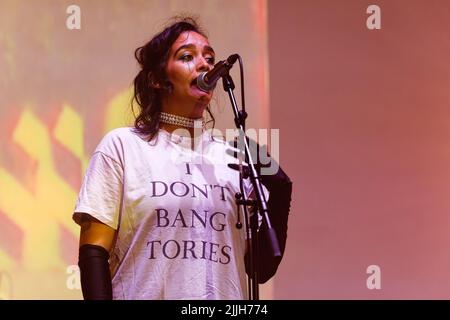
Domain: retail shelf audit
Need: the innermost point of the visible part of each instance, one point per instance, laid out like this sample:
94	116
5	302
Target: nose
203	65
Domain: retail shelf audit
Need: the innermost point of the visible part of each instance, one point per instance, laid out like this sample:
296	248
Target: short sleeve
101	191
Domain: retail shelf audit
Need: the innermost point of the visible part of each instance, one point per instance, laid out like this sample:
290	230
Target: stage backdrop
62	89
364	117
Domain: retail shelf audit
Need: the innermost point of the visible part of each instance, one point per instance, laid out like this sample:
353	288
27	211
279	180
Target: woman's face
189	55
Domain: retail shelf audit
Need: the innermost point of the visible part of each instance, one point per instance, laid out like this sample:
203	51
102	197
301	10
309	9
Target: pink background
365	135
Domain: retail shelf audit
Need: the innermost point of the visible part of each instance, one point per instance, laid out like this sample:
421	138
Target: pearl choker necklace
181	121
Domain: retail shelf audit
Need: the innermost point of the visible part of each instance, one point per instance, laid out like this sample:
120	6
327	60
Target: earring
152	83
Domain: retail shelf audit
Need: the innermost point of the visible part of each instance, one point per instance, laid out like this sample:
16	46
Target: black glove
94	272
280	191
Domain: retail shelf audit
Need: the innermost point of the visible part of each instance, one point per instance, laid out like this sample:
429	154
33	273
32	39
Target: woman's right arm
96	233
96	241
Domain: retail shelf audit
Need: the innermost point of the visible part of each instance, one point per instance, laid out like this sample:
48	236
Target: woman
157	209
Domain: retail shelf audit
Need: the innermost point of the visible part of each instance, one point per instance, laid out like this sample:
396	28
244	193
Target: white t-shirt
175	213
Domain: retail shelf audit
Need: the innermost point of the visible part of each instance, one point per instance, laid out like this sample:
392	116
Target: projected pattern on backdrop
61	90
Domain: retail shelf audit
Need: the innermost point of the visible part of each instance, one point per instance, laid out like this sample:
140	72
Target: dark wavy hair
152	83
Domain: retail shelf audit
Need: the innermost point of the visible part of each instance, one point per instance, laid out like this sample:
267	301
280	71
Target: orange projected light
63	88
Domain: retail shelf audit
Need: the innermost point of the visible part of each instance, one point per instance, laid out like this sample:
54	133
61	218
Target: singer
154	226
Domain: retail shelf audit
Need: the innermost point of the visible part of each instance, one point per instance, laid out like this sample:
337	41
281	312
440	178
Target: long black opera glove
94	272
280	191
278	205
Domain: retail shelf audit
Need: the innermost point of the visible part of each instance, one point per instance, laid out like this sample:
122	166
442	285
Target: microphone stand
260	203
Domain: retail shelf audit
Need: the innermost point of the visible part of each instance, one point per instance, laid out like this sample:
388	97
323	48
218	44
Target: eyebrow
191	46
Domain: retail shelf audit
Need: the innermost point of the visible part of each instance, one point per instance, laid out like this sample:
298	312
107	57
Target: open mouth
194	84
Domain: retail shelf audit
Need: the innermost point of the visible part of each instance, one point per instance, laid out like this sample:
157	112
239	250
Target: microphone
207	80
